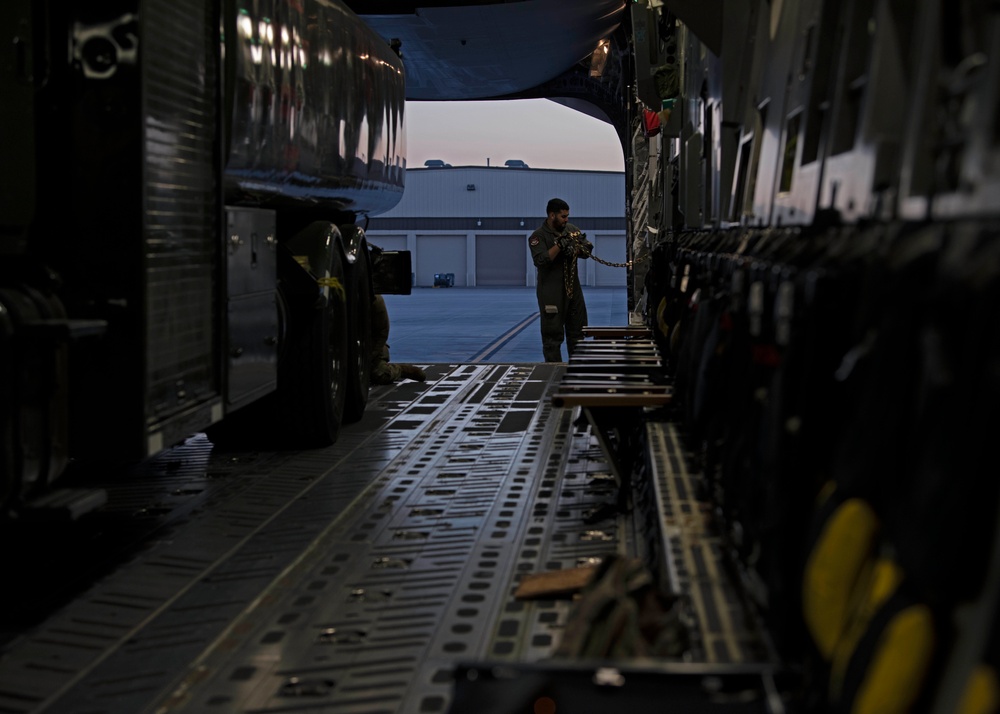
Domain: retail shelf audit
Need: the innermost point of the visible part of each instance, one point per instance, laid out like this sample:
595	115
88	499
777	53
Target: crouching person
382	370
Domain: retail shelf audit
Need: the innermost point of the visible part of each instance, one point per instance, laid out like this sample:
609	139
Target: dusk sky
543	134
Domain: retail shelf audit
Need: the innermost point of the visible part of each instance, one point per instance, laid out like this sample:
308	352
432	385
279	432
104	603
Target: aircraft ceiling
481	50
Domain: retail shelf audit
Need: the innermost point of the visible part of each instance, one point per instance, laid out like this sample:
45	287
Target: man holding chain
555	247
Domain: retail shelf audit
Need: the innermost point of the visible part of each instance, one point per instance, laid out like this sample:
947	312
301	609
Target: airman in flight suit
382	370
560	296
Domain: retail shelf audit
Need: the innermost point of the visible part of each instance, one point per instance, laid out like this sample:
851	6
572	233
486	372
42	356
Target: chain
569	272
626	264
570	267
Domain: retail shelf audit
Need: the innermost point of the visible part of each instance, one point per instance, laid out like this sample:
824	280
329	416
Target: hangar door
440	254
501	259
388	242
612	249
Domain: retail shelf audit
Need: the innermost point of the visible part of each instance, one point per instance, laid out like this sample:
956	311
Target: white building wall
515	196
389	241
514	193
609	247
455	252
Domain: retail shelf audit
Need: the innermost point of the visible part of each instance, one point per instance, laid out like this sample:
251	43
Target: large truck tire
313	361
9	478
359	303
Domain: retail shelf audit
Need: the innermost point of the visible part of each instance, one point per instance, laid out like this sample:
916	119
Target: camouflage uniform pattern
560	313
382	371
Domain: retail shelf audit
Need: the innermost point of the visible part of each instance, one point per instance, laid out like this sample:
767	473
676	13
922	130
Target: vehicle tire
9	478
359	302
313	365
29	455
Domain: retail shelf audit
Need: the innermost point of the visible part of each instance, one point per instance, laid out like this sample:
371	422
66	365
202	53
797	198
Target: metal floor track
349	579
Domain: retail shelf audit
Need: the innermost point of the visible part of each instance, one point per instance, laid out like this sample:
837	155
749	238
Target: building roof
482	191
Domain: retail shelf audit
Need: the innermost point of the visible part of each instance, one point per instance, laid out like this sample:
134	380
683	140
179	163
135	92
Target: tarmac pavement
479	324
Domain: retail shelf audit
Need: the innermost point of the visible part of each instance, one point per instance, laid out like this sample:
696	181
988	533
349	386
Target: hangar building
473	222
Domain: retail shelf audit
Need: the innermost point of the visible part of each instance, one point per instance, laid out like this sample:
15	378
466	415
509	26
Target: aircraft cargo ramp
367	576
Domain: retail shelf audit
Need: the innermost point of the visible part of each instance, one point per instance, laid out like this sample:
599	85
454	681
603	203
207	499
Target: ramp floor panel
345	579
357	578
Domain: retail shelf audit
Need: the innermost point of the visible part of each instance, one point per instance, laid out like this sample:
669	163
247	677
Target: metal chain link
569	273
626	264
570	267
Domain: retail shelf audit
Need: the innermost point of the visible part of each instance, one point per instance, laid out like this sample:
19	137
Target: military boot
409	371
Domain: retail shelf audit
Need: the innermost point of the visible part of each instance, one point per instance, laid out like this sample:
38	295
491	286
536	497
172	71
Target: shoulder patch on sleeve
533	241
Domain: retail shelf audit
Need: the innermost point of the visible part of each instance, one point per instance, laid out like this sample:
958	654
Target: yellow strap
884	578
837	564
335	286
899	665
982	692
333	283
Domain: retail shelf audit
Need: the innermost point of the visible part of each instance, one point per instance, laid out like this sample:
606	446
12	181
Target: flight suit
560	313
382	370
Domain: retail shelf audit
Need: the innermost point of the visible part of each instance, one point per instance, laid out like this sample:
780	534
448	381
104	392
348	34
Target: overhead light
599	58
